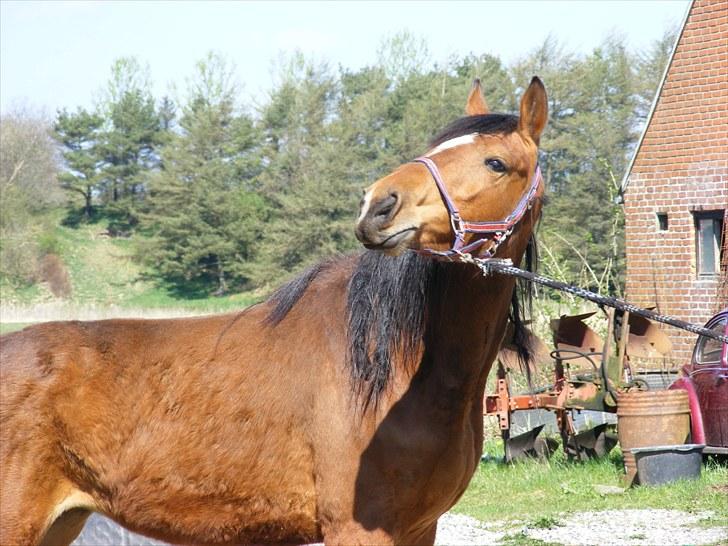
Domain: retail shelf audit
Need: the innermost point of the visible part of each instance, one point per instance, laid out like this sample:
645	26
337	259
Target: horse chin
395	243
396	250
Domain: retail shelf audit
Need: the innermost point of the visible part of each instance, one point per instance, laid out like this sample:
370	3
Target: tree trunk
87	207
221	283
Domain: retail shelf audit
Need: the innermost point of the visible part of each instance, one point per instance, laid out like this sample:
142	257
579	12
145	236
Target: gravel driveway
608	528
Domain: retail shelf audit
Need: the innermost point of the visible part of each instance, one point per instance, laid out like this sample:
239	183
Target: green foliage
109	153
308	192
128	152
228	200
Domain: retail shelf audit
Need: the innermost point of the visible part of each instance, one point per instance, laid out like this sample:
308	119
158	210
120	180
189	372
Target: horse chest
433	465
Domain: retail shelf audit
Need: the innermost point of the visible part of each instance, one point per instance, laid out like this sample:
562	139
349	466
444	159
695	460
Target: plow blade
590	444
529	445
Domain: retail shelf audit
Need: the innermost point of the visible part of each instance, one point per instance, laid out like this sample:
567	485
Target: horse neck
465	327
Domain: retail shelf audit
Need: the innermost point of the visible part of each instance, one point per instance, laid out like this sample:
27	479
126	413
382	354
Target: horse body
249	427
192	435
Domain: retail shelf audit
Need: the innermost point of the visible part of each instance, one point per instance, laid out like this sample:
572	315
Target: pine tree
79	135
203	215
585	149
296	125
129	147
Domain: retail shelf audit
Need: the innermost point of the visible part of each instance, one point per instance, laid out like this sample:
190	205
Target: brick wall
681	167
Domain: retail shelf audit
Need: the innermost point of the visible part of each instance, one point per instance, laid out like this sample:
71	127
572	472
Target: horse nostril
386	206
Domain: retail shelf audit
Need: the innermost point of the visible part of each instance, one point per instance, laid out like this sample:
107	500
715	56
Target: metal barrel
651	418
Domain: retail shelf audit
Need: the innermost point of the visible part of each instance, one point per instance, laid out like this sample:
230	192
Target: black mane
387	304
288	295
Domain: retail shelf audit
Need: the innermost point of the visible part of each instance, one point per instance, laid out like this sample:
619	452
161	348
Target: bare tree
28	188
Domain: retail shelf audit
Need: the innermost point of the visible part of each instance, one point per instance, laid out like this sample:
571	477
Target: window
662	221
709	350
708	239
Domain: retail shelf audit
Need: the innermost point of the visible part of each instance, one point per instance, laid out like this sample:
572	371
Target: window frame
662	219
717	216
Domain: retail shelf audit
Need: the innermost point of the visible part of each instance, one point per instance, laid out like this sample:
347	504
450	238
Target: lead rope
506	267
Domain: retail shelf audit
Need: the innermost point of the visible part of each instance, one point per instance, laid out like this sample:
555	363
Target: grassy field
103	273
537	492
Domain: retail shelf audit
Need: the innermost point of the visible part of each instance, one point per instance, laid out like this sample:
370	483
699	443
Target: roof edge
653	106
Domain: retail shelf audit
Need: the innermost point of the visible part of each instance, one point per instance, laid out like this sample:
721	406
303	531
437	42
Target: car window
708	350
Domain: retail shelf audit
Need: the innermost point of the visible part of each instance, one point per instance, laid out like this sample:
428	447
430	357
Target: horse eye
495	165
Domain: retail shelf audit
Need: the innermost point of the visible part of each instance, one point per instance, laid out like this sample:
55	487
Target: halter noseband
500	229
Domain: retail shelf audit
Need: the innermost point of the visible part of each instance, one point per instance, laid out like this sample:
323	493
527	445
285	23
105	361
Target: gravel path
607	528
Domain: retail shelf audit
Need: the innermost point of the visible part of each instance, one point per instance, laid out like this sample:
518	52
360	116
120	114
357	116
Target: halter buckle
457	225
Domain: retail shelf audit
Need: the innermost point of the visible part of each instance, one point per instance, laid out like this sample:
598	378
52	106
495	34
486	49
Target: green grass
7	327
537	492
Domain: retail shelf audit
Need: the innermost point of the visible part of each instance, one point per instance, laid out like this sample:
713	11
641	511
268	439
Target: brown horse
347	408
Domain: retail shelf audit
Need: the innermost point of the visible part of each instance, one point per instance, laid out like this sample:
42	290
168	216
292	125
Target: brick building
676	187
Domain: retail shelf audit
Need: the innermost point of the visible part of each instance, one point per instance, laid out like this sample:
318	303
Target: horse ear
534	110
476	104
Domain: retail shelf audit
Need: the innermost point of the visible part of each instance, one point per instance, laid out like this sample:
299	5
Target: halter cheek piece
500	230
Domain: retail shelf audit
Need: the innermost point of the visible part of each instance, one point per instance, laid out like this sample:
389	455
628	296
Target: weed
522	539
546	522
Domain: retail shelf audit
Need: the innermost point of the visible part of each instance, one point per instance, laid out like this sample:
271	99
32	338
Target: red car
706	380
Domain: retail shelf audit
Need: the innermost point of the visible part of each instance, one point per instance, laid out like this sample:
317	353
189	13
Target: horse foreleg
40	508
66	528
354	534
423	537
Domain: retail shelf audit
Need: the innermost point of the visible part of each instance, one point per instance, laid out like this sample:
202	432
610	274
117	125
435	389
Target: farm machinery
586	376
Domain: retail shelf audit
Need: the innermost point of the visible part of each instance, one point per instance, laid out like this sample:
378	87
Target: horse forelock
484	124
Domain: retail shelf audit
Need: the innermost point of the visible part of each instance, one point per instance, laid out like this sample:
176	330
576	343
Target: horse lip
390	241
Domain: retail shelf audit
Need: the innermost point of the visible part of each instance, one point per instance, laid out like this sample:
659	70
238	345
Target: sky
59	53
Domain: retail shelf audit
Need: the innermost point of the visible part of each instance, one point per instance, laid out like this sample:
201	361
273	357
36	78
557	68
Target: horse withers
347	408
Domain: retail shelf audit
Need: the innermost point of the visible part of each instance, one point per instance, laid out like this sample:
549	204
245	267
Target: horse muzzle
376	228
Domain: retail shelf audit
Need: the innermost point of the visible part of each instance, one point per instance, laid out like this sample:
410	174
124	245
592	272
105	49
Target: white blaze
365	205
457	141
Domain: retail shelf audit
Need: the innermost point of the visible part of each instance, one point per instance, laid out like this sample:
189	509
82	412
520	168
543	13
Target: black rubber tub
657	465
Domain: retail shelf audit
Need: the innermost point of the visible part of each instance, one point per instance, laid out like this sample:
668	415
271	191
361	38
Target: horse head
469	191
